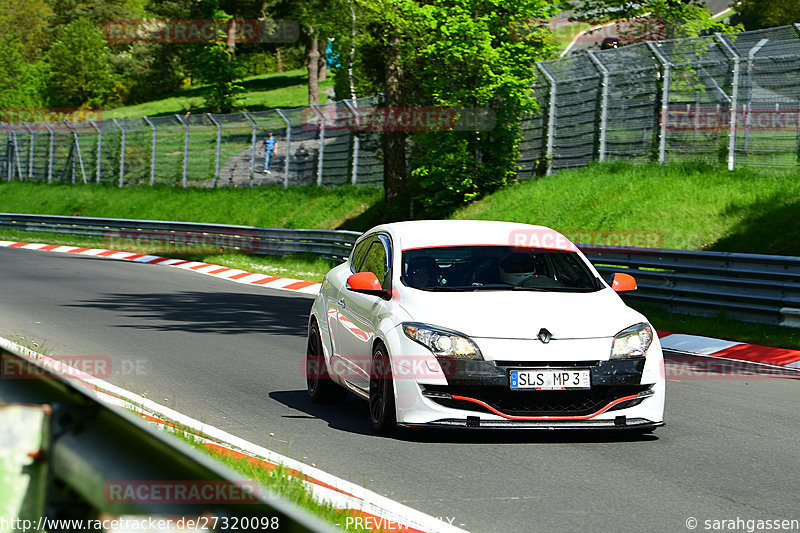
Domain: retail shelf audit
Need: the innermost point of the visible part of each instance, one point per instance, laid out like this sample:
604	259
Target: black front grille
533	402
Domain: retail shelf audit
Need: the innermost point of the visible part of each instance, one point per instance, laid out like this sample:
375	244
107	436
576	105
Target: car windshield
475	268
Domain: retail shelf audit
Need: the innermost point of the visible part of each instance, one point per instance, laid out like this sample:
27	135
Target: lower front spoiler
620	423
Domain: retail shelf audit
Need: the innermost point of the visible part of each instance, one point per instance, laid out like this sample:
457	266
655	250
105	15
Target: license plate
550	379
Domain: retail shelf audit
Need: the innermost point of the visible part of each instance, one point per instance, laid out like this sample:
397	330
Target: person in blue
269	149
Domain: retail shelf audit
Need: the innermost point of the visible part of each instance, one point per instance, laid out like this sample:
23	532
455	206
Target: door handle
342	303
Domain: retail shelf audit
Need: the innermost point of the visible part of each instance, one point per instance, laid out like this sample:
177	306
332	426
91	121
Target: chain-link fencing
728	98
314	144
732	98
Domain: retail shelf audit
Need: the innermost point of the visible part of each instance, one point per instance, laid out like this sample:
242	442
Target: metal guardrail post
152	151
121	154
77	145
551	115
30	150
219	144
734	99
356	140
51	135
99	147
185	149
751	55
288	148
321	154
663	120
253	140
603	133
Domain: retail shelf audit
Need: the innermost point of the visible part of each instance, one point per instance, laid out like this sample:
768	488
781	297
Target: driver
518	267
422	273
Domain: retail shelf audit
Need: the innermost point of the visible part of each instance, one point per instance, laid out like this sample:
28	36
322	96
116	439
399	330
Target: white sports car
485	325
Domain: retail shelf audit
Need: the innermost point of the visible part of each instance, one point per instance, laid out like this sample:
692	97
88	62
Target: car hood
520	315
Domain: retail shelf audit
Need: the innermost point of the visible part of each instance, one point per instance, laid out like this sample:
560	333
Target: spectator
269	149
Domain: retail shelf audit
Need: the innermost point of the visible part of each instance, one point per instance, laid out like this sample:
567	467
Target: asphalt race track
231	355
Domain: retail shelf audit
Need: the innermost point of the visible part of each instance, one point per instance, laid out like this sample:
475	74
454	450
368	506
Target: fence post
185	149
321	155
219	143
288	148
77	151
16	151
49	152
253	141
152	151
665	81
356	140
734	99
9	154
603	133
121	153
551	115
99	146
30	150
750	58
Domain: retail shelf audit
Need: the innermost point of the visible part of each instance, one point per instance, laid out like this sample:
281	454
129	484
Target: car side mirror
366	283
623	282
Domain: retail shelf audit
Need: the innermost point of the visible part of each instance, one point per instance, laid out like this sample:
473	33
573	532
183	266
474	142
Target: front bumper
477	394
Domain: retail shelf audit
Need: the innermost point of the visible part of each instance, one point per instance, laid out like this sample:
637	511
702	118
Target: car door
358	313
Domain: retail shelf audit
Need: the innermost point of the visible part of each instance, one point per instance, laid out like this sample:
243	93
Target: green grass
691	206
279	480
720	327
268	91
271	206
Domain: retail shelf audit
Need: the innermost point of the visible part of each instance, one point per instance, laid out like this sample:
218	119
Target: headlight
632	342
441	342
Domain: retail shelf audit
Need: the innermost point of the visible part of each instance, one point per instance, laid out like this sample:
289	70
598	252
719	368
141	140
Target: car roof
437	233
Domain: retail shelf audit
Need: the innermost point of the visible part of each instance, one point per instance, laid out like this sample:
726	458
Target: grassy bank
296	207
686	206
268	91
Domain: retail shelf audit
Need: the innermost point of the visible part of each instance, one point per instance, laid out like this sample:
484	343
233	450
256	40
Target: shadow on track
208	312
353	416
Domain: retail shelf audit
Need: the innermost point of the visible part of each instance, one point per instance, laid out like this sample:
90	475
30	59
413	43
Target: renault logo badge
544	336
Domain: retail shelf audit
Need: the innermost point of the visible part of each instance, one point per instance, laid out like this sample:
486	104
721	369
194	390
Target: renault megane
482	324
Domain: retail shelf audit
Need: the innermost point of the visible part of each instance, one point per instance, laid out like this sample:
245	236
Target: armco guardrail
189	236
68	456
749	287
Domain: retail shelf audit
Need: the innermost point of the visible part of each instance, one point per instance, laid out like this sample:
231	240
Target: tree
27	21
80	70
757	14
456	54
650	19
22	83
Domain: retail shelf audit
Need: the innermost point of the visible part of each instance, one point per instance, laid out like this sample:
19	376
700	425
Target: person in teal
269	149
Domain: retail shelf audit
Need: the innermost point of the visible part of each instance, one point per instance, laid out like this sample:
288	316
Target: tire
381	393
321	387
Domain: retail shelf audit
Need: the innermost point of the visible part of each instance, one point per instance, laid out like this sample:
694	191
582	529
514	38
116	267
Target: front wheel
381	393
321	387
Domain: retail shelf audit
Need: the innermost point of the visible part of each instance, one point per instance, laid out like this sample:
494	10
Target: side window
359	252
377	262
